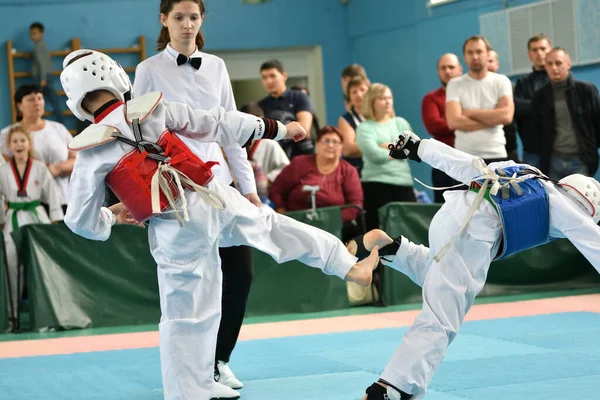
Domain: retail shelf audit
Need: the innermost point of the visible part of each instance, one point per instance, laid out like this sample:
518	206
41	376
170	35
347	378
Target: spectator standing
285	105
41	68
566	116
478	104
357	88
384	180
315	127
537	48
348	73
433	113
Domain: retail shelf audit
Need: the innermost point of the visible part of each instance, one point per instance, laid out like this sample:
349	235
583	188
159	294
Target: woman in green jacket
384	179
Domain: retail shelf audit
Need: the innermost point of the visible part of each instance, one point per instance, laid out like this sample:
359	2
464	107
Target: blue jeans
51	97
531	159
563	166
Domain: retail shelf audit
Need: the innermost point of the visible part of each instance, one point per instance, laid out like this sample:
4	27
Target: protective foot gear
224	375
221	392
378	392
387	250
406	146
391	249
361	251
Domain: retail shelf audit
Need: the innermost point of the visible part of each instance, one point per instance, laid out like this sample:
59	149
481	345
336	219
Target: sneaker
224	375
220	391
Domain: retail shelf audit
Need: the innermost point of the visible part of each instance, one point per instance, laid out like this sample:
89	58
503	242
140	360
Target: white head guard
94	71
586	191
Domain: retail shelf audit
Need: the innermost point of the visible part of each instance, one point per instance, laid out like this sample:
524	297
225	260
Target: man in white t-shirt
479	104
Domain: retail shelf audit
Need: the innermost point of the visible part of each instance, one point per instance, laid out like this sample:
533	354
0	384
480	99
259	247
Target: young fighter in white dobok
24	183
134	148
509	208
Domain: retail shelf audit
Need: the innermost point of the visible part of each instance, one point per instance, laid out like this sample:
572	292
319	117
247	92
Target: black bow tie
195	62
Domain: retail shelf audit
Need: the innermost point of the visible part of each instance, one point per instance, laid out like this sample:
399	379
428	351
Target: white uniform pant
12	264
12	260
449	289
189	276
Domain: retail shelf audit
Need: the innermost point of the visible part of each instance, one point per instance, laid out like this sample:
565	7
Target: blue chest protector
523	210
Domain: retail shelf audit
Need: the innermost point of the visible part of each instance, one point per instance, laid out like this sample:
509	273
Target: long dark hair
166	6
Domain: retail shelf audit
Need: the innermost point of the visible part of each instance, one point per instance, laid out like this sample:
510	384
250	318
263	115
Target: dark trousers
379	194
440	179
236	264
513	155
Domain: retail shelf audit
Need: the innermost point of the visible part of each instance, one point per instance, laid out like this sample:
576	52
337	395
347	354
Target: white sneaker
220	391
224	375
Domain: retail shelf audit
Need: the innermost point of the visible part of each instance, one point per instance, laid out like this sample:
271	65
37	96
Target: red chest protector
131	178
150	178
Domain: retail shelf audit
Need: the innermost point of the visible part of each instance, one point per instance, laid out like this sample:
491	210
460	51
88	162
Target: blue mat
535	358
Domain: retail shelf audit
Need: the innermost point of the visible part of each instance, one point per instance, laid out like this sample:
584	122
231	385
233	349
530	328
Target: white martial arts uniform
450	285
25	209
270	157
205	88
189	272
51	146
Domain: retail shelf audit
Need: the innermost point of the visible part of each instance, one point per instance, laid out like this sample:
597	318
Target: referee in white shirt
185	74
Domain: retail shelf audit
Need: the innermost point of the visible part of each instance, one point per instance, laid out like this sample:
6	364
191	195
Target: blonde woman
384	179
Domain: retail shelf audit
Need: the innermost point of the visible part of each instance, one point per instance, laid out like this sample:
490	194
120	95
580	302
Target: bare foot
375	237
362	272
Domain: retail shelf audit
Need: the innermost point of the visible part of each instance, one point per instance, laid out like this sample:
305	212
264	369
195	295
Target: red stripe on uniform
104	113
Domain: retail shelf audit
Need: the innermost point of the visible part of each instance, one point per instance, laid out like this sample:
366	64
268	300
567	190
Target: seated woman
50	139
337	180
355	92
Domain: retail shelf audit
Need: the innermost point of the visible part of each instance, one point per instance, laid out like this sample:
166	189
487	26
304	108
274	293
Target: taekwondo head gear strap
586	191
90	72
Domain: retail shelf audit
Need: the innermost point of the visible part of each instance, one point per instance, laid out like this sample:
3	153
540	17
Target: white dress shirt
205	88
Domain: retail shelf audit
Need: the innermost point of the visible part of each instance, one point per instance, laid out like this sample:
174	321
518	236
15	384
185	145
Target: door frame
297	61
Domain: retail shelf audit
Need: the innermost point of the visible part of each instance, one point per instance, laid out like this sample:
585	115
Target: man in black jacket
537	48
566	118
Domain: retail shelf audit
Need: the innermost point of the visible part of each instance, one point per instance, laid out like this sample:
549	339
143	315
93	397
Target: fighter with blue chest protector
508	208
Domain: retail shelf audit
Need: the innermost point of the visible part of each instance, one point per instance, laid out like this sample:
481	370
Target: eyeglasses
328	142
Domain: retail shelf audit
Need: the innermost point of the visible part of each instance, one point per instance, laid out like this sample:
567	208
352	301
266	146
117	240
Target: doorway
304	66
